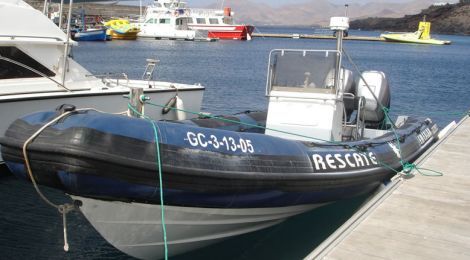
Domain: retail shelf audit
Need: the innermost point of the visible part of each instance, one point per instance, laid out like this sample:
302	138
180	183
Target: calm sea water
428	81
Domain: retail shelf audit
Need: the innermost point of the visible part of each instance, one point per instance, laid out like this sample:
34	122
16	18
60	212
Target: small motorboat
90	34
421	36
152	188
89	28
36	74
121	29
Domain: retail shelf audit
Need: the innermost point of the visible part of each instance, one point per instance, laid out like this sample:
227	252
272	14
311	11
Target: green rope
408	167
159	163
241	123
405	165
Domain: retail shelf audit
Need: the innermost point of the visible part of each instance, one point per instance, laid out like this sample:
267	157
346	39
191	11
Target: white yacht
212	23
36	72
167	22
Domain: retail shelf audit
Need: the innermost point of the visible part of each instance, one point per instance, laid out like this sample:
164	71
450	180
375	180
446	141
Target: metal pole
60	11
66	51
339	48
44	8
136	102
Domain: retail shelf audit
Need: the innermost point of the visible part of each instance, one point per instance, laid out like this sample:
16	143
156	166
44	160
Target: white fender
180	115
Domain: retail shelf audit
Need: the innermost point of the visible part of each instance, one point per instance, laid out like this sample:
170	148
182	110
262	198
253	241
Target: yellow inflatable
422	36
121	29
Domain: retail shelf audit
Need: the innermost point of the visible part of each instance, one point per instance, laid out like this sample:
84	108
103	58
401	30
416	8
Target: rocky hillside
317	12
447	19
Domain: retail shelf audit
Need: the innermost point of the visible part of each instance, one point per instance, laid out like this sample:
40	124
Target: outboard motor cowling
378	84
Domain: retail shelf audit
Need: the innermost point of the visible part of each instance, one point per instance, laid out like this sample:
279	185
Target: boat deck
414	218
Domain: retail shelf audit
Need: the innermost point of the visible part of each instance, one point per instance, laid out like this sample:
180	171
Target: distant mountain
448	19
317	12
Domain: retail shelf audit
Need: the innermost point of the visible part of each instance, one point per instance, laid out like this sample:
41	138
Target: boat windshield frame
292	76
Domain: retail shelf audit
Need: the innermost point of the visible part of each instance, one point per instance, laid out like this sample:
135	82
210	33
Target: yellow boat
121	29
422	36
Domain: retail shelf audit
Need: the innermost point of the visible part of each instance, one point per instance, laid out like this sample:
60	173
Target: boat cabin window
164	21
201	20
302	71
150	21
183	21
213	21
9	70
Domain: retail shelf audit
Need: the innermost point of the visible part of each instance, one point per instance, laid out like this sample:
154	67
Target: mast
67	44
60	12
339	25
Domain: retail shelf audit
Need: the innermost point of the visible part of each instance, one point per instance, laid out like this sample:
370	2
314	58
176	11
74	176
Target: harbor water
429	81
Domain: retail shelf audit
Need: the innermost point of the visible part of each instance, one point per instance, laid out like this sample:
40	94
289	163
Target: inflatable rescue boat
326	136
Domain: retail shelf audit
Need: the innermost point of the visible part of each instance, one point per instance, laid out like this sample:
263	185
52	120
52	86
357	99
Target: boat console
303	96
312	97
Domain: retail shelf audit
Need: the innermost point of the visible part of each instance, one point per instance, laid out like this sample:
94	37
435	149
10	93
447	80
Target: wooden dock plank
423	218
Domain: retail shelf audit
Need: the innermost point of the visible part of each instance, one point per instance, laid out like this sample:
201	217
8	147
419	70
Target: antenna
346	10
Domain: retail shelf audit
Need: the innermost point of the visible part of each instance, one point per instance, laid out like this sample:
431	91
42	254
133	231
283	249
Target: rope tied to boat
409	167
158	161
406	166
62	208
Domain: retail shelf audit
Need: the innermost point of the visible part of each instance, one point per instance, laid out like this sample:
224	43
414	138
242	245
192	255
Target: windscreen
306	71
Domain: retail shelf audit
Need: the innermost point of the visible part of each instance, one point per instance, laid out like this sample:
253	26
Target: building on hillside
441	4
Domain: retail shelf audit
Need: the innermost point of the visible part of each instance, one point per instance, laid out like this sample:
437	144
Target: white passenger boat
215	23
161	22
33	55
